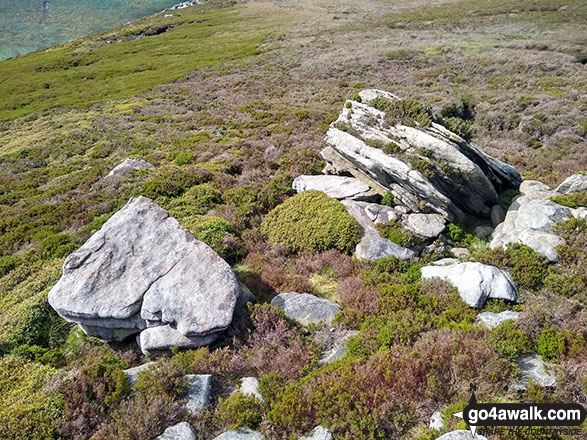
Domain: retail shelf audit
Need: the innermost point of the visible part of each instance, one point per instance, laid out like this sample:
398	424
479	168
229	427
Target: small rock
250	387
133	373
425	225
460	252
573	184
461	434
181	431
128	166
199	392
490	319
337	187
579	213
436	421
318	433
497	215
532	368
305	307
338	349
475	282
155	341
380	213
240	434
483	231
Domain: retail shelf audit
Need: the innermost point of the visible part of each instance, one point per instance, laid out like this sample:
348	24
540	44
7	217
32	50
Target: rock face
336	187
475	282
573	184
240	434
199	392
373	246
318	433
425	168
181	431
305	308
490	319
530	219
128	166
144	272
532	368
461	434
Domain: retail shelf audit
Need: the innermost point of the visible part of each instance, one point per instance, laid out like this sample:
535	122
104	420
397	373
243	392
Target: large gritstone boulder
144	272
394	146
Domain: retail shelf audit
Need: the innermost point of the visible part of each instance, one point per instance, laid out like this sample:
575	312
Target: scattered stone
580	212
461	434
250	387
133	373
337	187
305	307
318	433
483	231
181	431
199	392
532	368
240	434
143	269
475	282
129	166
337	350
530	219
573	184
490	319
425	225
436	421
497	215
373	246
380	213
460	252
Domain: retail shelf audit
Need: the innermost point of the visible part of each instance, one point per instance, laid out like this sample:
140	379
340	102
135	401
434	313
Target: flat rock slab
240	434
133	373
532	368
143	269
461	434
318	433
181	431
129	166
305	307
490	319
336	187
425	225
199	392
475	282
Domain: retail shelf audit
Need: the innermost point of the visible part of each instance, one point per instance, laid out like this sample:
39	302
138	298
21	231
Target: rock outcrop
305	307
181	431
573	184
425	166
337	187
529	220
475	282
199	392
145	273
490	319
129	166
532	368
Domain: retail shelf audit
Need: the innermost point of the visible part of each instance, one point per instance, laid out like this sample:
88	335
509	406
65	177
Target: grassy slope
247	95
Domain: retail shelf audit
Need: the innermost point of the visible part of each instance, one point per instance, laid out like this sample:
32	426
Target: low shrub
197	200
173	181
509	340
574	200
551	344
395	232
239	410
217	233
311	222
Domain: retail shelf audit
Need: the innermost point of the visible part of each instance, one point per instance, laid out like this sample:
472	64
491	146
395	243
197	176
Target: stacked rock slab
465	182
145	273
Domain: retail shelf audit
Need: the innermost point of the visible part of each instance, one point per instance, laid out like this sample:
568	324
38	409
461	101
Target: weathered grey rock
475	282
461	434
579	213
460	252
497	215
318	433
464	181
530	219
380	213
250	387
532	368
490	319
181	431
373	246
338	349
336	187
143	269
483	231
240	434
128	166
436	421
133	373
573	184
199	392
155	341
305	307
425	225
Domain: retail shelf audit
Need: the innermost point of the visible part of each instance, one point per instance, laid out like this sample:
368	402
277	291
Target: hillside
230	101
